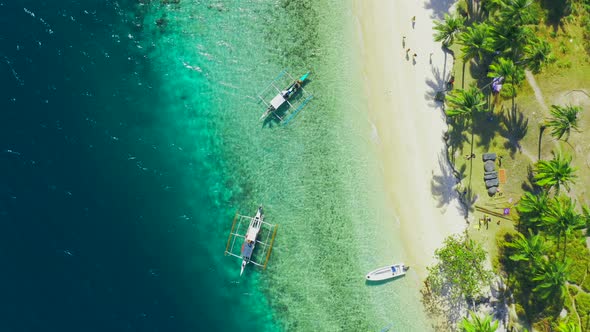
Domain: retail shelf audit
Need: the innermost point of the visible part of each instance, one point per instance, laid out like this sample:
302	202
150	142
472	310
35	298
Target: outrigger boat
251	235
285	96
387	272
258	232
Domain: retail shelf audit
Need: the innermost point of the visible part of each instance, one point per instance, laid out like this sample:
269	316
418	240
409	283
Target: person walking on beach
413	21
404	41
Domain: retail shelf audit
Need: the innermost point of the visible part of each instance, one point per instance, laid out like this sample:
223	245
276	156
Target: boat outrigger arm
258	233
284	96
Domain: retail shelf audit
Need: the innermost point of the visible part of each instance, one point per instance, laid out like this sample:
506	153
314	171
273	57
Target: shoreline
409	125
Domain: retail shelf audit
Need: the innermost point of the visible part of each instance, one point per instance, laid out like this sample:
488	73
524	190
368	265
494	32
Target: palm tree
568	327
476	41
448	29
529	249
506	68
563	219
510	39
552	277
565	118
537	54
555	173
478	324
533	207
465	103
490	7
517	12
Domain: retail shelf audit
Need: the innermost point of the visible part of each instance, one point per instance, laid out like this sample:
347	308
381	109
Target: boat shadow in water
382	282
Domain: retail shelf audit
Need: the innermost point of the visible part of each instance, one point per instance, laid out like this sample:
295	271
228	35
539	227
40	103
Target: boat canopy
277	101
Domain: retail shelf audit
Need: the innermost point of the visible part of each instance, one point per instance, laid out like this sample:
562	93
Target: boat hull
387	272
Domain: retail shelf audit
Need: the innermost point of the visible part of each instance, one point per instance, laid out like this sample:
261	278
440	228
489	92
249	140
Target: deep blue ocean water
101	229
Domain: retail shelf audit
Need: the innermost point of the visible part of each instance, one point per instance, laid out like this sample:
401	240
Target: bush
459	271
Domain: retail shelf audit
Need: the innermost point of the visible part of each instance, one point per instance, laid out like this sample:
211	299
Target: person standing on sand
413	21
404	41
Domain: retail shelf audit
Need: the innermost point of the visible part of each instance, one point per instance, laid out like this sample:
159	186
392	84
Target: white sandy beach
410	125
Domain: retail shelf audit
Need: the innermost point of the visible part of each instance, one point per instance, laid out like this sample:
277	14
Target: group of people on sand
414	55
404	43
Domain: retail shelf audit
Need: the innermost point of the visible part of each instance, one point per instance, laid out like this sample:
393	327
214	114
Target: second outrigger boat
284	96
259	234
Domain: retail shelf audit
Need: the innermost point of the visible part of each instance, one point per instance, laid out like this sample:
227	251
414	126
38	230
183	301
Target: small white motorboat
387	272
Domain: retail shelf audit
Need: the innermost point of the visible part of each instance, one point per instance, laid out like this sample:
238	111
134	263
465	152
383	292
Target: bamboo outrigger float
259	233
293	97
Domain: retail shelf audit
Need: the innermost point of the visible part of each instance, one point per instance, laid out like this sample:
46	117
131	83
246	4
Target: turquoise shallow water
317	177
131	138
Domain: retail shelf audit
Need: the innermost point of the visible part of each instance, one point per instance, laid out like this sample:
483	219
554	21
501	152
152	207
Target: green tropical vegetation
529	249
448	29
555	173
563	120
460	269
542	256
532	208
459	276
475	323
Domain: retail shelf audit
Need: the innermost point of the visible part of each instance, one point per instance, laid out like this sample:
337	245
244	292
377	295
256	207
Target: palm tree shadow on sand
443	186
456	135
439	7
435	85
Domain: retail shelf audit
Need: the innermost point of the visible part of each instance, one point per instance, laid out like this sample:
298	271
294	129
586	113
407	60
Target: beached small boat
387	272
283	96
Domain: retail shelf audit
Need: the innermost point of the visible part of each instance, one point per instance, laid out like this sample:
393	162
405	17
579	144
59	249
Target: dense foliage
459	272
547	261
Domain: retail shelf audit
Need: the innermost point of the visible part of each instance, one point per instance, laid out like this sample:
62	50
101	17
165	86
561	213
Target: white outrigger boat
285	97
251	235
258	232
387	272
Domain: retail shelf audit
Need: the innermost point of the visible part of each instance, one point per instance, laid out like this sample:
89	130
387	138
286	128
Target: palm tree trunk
463	75
564	245
541	130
